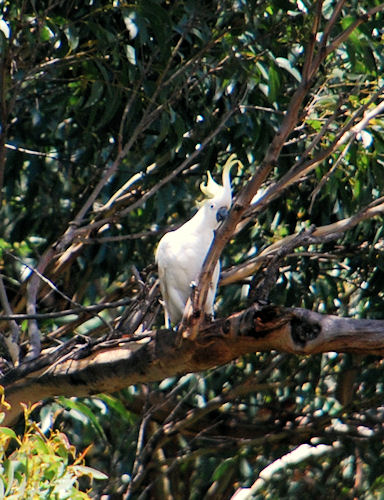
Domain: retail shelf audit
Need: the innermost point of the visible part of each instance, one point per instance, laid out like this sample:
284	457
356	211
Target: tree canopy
111	114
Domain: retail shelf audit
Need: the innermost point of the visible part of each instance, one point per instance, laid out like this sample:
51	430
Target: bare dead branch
32	294
53	156
299	454
68	312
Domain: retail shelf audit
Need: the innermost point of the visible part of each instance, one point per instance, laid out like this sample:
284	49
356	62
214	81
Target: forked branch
312	62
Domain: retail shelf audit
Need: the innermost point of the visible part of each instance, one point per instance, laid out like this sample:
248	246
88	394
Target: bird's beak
222	214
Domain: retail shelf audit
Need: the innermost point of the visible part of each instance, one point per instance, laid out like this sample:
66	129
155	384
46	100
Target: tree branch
303	167
298	455
312	40
193	316
351	28
82	369
319	236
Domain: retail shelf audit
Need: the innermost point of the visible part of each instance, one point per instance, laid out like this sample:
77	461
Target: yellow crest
213	190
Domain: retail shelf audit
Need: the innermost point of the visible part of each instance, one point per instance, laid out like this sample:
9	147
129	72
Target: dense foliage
111	113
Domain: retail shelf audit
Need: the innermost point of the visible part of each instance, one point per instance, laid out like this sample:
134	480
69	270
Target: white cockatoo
181	253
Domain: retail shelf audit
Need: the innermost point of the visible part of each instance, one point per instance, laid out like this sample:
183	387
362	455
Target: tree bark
80	368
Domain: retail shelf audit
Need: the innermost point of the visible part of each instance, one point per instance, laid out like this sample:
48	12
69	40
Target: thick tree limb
82	369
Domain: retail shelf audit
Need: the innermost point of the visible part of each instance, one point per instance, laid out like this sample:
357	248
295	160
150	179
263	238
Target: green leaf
85	411
223	467
45	33
96	93
284	63
116	405
40	445
89	471
273	83
6	431
131	54
72	36
9	471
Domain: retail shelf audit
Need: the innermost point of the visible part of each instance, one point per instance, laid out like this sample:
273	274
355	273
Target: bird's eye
212	205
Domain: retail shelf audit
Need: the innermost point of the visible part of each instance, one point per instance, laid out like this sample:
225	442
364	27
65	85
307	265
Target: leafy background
111	113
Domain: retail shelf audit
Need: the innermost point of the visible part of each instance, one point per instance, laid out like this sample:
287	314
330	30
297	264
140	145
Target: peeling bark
81	369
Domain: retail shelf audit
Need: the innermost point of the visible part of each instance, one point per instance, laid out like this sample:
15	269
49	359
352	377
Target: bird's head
219	197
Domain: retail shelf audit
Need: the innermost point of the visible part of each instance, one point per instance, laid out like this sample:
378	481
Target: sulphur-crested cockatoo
181	253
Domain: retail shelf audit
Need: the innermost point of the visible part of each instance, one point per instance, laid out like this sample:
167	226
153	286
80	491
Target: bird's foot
208	318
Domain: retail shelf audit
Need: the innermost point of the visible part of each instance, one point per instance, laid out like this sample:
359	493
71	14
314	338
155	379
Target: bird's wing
180	256
174	274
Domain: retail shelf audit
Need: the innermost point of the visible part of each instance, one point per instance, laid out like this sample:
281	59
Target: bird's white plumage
181	253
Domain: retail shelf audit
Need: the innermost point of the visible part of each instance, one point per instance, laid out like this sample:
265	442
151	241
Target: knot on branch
303	331
237	207
260	320
266	319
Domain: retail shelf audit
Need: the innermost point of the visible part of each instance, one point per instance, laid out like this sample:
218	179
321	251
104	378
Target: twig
312	41
326	177
32	291
138	469
345	34
264	286
33	286
68	312
11	338
129	104
149	115
261	108
32	152
123	192
145	309
183	165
